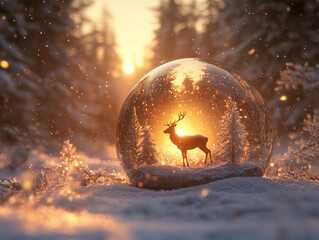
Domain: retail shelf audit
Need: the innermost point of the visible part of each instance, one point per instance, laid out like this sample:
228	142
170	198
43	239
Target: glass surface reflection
202	90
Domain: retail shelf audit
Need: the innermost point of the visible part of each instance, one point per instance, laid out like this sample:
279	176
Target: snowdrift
170	177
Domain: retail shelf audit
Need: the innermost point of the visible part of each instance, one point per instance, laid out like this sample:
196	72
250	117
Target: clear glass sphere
229	114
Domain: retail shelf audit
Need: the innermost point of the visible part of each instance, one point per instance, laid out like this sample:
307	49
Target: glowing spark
204	193
251	51
128	68
283	98
4	64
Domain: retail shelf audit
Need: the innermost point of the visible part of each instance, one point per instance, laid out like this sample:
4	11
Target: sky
133	25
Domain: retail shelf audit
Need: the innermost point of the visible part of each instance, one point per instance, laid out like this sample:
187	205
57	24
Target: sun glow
192	124
128	68
180	132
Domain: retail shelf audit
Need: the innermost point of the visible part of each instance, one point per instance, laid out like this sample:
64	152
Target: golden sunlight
180	132
35	221
190	125
128	68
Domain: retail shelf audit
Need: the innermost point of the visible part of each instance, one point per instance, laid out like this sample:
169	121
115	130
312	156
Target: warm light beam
128	68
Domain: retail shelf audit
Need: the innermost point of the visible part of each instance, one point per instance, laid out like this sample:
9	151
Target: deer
187	142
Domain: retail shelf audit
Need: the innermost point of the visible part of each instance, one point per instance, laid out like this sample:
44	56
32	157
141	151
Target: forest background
61	76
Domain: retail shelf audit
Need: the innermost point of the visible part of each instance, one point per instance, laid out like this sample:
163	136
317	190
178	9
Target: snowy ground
235	208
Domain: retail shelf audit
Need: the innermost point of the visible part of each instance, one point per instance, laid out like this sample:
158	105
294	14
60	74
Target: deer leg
183	158
206	157
186	158
206	151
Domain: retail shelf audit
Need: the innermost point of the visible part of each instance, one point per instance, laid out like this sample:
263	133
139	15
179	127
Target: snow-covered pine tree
53	47
297	86
309	145
130	158
37	59
17	82
308	142
232	138
48	84
147	153
264	35
17	85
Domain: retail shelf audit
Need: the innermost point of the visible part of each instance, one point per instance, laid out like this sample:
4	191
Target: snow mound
170	177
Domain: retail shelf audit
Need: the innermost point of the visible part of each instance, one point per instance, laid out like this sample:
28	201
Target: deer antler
168	124
180	117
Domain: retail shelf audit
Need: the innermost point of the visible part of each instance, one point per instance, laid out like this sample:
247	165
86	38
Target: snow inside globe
188	115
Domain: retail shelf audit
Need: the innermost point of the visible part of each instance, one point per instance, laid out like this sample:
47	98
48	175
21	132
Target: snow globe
188	120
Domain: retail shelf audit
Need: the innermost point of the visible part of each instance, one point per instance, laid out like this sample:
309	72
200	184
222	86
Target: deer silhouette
187	142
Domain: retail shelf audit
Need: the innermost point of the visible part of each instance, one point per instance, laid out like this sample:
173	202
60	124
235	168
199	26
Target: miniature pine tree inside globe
195	114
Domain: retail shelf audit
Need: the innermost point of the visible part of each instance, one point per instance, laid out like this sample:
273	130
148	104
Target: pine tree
131	151
17	83
169	17
42	65
310	138
232	138
209	41
257	38
103	64
296	88
147	152
50	85
308	142
54	51
186	34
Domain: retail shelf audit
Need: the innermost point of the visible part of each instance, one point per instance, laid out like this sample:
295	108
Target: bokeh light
4	64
